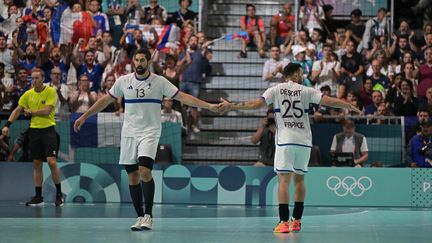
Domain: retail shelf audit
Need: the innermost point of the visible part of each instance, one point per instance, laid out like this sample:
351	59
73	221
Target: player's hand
78	123
5	131
224	106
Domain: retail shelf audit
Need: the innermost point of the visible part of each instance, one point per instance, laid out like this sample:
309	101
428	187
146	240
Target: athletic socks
148	191
136	195
298	210
58	189
38	190
283	212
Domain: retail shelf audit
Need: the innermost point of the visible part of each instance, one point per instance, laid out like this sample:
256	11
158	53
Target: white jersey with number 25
291	105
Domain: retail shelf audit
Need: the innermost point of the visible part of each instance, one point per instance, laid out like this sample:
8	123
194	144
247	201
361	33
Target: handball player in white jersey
290	101
143	93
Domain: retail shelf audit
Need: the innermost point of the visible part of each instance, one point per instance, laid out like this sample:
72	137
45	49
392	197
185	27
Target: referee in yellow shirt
39	103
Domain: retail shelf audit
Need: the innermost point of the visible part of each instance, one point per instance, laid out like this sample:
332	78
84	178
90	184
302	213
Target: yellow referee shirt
38	100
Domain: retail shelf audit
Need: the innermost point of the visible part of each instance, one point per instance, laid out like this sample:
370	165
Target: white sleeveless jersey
143	99
291	104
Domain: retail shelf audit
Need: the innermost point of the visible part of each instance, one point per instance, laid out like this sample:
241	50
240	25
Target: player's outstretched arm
195	102
95	108
337	103
225	105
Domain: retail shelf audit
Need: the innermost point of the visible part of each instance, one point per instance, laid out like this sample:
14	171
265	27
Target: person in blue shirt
89	67
419	149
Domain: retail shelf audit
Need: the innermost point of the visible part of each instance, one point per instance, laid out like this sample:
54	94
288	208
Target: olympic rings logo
349	184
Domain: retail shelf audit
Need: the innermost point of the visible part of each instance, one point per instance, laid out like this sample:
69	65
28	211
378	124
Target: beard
140	70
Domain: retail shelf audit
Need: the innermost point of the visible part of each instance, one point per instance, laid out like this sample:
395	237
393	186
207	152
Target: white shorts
292	158
131	148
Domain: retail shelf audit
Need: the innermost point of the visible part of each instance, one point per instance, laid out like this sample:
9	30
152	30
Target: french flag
68	26
167	38
100	130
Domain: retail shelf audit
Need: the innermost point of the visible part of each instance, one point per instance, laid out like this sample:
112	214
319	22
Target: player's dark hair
146	52
291	69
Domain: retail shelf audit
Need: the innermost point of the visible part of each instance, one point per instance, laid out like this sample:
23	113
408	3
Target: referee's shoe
35	202
59	200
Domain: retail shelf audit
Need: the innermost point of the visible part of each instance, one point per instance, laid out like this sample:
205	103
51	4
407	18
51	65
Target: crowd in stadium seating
84	46
382	73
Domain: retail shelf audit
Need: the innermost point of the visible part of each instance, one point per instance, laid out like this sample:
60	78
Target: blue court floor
82	223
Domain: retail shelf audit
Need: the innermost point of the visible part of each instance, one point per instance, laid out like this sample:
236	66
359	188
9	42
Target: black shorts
43	142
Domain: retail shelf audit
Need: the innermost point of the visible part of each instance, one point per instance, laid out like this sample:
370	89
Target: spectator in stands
425	75
428	44
91	69
168	114
82	99
401	45
375	27
116	19
265	136
25	60
419	149
319	111
311	15
422	117
14	92
6	56
254	26
282	25
53	57
299	54
356	26
411	75
183	15
107	85
133	40
173	69
379	47
394	91
406	104
316	43
379	80
380	115
377	99
100	18
154	10
408	58
326	71
365	96
273	68
62	89
350	141
352	99
426	104
328	23
352	68
134	12
5	83
192	77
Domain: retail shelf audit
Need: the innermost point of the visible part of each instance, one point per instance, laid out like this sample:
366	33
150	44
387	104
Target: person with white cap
299	56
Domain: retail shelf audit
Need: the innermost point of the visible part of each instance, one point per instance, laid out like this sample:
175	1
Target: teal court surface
82	223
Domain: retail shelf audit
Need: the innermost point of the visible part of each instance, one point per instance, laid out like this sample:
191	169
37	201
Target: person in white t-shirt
143	92
293	139
326	71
